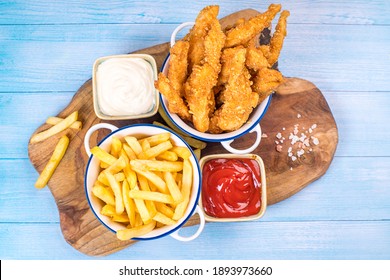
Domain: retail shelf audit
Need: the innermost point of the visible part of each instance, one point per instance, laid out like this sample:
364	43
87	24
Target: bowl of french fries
142	182
217	81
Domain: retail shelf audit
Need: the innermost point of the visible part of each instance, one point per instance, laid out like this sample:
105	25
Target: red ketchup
231	188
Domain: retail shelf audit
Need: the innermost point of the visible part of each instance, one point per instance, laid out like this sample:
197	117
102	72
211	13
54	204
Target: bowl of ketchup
233	187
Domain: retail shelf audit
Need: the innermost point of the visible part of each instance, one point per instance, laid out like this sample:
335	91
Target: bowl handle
92	130
176	235
177	30
226	144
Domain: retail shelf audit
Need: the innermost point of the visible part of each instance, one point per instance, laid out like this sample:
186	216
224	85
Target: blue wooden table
47	49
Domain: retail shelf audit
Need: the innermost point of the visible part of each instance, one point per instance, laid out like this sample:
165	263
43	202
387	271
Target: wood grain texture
83	231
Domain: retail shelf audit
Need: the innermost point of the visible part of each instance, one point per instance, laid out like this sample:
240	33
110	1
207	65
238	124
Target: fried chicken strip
255	58
265	82
244	32
198	32
177	71
213	44
277	38
200	96
176	104
172	85
238	98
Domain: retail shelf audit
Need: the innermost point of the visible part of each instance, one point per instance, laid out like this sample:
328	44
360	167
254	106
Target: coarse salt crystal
315	140
279	148
299	116
300	152
293	158
290	149
314	126
264	135
279	135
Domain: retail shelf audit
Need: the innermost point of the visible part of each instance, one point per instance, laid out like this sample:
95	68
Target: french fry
159	217
134	144
108	210
61	126
156	150
55	120
185	190
141	207
103	194
54	161
131	176
103	156
145	145
129	152
144	186
117	166
168	155
129	233
153	177
116	146
138	220
102	178
182	152
157	139
173	188
164	209
128	203
119	206
122	218
197	153
157	165
154	196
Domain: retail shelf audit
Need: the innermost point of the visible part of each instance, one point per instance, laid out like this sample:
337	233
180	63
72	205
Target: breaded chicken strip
200	96
172	87
255	58
176	104
177	71
237	97
213	44
198	33
277	39
244	32
265	82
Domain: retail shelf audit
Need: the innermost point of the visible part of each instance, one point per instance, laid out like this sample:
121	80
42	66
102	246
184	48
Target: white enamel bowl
92	172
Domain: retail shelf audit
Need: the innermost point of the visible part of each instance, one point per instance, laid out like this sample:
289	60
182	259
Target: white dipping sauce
125	86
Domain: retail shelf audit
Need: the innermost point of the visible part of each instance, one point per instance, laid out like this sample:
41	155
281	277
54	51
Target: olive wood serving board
285	177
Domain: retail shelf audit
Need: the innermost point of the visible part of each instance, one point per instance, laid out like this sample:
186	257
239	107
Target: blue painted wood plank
169	11
353	189
287	241
60	57
22	114
20	201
